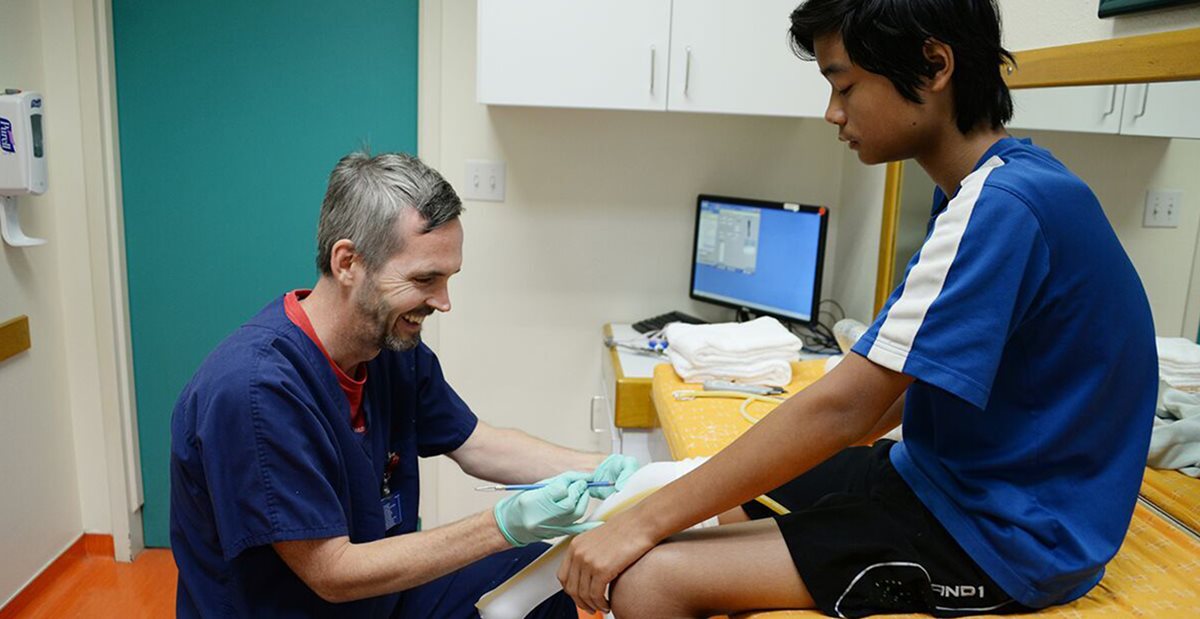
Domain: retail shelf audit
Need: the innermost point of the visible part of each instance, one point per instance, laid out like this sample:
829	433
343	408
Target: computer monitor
762	256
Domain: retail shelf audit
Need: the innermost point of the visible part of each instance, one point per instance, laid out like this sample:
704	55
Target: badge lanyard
390	502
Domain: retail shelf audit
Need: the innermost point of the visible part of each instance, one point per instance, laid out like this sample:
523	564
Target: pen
512	487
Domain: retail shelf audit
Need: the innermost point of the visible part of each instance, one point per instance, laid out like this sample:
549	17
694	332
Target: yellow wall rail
14	337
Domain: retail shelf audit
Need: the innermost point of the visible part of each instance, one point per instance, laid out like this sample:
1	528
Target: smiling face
394	301
871	115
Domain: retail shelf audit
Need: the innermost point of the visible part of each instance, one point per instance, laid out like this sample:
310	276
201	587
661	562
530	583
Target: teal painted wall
232	115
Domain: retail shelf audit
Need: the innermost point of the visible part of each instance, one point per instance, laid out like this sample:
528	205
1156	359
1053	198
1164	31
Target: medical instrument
517	487
22	160
650	346
724	385
684	395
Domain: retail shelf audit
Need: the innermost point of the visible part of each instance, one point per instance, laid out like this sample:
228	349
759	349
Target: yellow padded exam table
1155	574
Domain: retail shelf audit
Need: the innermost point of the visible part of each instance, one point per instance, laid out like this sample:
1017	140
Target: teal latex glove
545	513
617	469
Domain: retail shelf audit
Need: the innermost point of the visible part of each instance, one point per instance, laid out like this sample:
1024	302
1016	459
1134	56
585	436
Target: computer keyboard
658	322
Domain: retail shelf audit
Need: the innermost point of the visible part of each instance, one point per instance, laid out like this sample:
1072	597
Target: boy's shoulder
1035	176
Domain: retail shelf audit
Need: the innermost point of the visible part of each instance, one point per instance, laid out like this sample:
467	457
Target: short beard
371	306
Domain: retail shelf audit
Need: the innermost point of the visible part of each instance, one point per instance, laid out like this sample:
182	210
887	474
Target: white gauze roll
518	596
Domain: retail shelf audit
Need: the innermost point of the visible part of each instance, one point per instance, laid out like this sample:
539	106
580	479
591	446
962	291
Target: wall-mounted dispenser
22	159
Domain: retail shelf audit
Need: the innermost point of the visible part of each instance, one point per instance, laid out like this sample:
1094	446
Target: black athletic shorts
864	544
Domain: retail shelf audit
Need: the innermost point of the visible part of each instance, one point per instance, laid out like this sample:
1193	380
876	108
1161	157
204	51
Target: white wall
596	228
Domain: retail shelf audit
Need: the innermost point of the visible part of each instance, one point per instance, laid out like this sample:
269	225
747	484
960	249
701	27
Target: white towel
759	351
1175	440
1178	352
697	342
766	372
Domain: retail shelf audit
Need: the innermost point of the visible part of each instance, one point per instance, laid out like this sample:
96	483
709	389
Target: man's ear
941	62
341	259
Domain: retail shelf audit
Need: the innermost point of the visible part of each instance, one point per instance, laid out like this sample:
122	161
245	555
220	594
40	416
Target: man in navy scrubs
294	483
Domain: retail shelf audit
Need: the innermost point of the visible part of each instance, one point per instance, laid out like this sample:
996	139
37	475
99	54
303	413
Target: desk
1156	573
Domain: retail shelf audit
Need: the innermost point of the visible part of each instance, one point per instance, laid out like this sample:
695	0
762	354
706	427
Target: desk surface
1156	573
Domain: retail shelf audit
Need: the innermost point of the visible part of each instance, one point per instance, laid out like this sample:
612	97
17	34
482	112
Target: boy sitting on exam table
1019	347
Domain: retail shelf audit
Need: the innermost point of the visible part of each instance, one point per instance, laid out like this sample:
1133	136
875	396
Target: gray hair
364	200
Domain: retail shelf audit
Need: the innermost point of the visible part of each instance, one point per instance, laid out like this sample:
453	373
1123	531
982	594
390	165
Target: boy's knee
646	588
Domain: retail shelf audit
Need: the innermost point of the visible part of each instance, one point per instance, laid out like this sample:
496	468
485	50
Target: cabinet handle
592	415
1112	101
687	70
652	70
1145	96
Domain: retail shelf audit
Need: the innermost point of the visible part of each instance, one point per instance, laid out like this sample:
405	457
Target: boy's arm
832	414
887	423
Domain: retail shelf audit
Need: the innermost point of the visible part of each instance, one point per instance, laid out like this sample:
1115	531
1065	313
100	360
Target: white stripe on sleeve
927	277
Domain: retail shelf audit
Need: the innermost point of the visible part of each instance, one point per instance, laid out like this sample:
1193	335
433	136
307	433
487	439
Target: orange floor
100	587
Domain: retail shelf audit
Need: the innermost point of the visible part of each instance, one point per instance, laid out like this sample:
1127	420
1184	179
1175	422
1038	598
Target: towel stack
1179	363
756	352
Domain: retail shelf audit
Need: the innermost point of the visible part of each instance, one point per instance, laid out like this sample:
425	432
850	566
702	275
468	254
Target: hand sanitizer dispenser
22	159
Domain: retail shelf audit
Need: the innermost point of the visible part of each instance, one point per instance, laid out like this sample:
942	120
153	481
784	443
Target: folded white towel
1178	351
759	351
763	372
742	340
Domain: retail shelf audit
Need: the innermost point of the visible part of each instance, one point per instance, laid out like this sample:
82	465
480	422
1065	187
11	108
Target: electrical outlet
484	181
1162	208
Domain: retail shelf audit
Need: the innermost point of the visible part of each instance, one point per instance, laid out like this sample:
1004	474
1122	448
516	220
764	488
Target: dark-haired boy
1020	349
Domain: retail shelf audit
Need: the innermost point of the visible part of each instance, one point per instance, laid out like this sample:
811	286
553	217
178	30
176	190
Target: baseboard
88	545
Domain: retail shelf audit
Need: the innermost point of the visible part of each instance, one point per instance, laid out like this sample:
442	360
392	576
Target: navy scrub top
262	451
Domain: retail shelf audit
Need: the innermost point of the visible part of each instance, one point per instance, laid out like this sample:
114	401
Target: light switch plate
1162	208
484	181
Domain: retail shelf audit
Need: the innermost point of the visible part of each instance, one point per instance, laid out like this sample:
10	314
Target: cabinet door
582	53
1087	109
1168	110
733	56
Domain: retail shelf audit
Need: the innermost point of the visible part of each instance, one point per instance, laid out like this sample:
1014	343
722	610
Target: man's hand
597	557
547	512
617	469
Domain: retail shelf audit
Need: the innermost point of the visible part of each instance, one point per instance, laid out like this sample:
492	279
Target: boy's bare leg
712	571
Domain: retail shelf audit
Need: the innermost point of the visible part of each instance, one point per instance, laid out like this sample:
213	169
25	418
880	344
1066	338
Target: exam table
1155	574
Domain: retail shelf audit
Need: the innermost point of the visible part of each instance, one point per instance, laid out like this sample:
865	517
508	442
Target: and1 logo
6	136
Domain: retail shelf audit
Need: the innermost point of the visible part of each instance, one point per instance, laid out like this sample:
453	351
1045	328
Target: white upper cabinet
1089	109
577	53
733	56
1168	109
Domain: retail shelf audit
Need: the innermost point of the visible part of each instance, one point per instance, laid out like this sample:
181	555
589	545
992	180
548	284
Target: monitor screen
764	256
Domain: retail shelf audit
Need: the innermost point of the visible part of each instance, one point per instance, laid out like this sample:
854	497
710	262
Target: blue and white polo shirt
1032	344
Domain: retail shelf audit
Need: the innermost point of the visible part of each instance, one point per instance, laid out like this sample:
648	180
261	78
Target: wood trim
633	405
14	337
893	185
1161	57
88	545
99	545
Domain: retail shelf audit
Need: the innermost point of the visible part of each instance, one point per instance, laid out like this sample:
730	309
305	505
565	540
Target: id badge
391	511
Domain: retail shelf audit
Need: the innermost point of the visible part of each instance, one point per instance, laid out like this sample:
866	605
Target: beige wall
597	227
62	432
1030	24
38	454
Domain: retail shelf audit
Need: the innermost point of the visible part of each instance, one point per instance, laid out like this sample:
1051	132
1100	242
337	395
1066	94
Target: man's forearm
340	571
510	456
